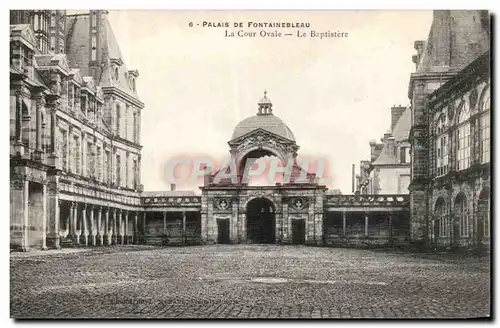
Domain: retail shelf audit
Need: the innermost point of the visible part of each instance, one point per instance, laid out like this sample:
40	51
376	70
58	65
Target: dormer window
116	73
133	85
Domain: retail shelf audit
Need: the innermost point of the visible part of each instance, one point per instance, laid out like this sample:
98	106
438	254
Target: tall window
442	220
90	160
126	170
463	138
441	146
118	166
53	19
135	173
98	163
64	149
484	126
77	154
135	127
107	164
118	119
461	212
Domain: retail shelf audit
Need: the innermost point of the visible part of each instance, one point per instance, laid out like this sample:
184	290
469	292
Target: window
442	220
441	146
64	149
484	127
135	181
77	154
463	138
118	166
118	119
90	160
134	133
126	171
117	72
98	163
133	85
53	19
106	168
402	154
461	212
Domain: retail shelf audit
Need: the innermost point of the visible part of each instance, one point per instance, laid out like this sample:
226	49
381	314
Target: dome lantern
265	105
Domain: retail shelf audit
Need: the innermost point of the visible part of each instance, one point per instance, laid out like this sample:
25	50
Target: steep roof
78	41
456	38
402	128
385	157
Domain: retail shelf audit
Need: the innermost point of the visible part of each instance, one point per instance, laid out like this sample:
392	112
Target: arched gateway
236	212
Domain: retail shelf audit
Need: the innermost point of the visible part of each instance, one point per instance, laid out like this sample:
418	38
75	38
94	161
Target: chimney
396	113
386	136
391	146
372	150
172	186
419	46
353	177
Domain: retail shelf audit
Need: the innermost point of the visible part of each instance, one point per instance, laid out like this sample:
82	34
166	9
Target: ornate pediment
261	138
23	33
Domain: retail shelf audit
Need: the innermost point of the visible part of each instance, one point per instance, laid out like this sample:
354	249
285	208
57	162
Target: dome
268	122
263	120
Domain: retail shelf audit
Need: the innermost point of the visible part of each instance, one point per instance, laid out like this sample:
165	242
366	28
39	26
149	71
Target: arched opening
441	224
261	221
461	216
259	168
483	215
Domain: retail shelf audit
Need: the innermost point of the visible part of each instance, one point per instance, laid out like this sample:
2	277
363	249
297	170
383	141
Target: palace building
74	132
450	132
75	153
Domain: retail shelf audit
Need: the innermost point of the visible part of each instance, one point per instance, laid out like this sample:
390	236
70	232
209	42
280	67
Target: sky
335	94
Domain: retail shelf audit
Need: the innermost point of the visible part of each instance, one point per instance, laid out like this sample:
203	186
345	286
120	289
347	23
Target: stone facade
450	132
74	134
75	160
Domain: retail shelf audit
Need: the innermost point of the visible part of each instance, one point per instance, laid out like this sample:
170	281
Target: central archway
261	221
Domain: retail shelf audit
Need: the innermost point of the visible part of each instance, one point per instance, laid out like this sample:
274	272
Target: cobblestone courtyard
245	281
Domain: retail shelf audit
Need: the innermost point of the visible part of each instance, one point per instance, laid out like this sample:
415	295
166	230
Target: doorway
223	231
261	221
298	232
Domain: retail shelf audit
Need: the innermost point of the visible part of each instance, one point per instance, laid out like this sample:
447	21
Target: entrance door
261	222
223	231
298	232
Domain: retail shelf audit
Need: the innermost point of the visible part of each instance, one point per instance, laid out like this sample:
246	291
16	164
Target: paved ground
244	281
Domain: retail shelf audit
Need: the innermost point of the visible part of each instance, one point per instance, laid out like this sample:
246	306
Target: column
390	228
93	227
285	224
99	226
19	214
44	216
344	224
106	238
84	229
125	234
76	231
135	235
69	222
53	218
114	227
366	224
164	223
184	237
143	235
